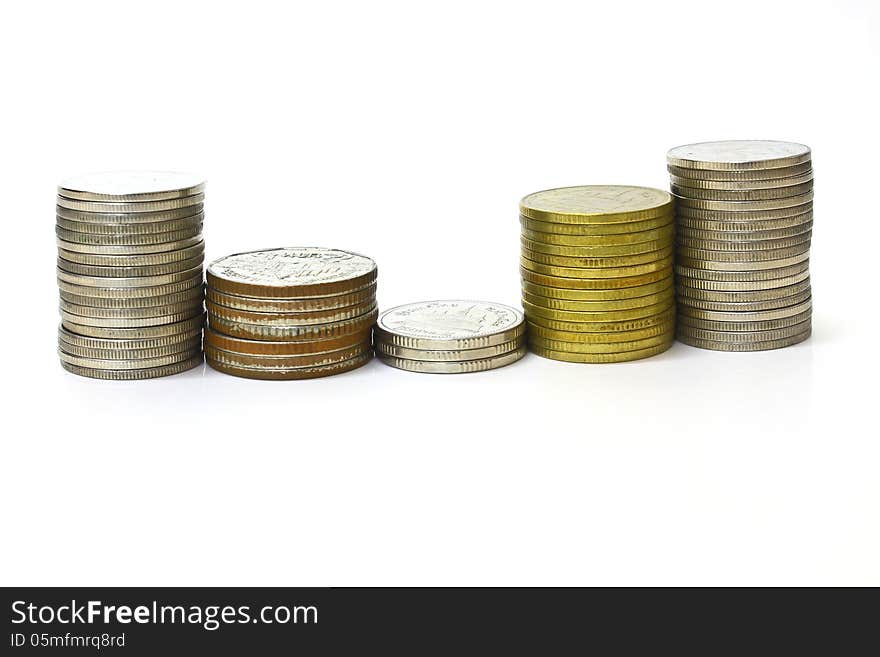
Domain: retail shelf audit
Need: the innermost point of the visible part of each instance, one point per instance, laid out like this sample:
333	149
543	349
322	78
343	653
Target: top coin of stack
450	337
130	254
596	272
290	313
744	215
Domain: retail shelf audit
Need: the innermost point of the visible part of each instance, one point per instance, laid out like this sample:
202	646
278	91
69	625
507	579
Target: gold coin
664	234
256	304
289	319
597	230
282	348
568	283
589	204
599	306
624	250
610	326
604	272
534	311
536	342
665	329
597	295
293	373
573	357
600	262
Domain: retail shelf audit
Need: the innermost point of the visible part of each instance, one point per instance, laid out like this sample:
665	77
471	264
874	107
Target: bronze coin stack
290	313
130	254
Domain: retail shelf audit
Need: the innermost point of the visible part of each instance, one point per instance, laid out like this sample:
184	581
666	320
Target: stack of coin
450	337
596	272
744	218
290	313
130	254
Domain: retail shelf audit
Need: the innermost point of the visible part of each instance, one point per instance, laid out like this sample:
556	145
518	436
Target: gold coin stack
744	215
290	313
596	272
130	254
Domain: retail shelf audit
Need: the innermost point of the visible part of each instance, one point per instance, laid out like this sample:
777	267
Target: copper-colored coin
314	304
235	359
292	318
302	333
290	374
282	348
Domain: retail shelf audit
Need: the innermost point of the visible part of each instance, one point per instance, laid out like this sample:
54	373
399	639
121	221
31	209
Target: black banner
151	621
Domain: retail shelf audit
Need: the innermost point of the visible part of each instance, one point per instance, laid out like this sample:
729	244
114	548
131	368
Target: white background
409	132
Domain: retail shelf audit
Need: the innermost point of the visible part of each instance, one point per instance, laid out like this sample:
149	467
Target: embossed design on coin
596	201
449	320
292	266
739	152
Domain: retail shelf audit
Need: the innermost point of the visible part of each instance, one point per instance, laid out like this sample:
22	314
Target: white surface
409	133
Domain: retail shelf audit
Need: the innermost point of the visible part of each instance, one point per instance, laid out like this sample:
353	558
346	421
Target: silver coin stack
130	253
744	219
450	337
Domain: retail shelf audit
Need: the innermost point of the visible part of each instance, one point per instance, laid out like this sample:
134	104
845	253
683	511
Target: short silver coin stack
130	254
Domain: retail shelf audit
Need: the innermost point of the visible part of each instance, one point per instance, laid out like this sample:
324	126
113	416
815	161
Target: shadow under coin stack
450	337
130	254
596	272
744	214
290	313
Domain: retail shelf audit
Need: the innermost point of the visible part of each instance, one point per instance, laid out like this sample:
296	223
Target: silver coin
191	306
123	207
134	375
685	302
799	201
129	218
192	346
128	230
741	175
126	240
450	324
128	292
734	185
71	319
134	260
130	272
743	336
115	249
750	195
687	293
738	154
685	233
289	268
134	333
453	367
193	294
744	346
447	355
75	340
132	186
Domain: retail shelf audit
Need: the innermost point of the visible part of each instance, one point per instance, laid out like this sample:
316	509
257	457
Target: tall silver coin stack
450	337
130	253
744	219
